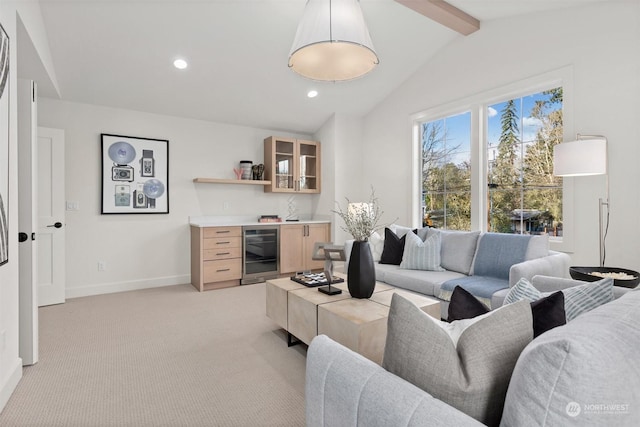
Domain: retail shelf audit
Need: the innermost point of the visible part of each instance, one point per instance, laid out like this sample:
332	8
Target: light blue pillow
577	300
419	255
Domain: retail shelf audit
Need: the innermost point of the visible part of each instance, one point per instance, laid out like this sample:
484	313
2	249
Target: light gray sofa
584	373
464	254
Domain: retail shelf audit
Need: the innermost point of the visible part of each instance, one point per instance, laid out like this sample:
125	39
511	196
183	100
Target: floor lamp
583	157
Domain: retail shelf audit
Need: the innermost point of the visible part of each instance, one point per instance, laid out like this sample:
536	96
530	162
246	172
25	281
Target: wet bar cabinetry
296	246
292	165
216	257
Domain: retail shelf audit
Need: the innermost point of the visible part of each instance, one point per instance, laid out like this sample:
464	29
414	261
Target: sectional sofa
486	264
584	373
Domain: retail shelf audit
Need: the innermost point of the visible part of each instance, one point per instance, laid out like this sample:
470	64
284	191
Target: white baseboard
12	382
133	285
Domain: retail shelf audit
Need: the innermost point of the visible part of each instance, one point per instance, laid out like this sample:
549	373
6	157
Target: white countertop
216	221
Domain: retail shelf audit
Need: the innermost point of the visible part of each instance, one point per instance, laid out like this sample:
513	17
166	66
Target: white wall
599	43
10	363
342	165
151	250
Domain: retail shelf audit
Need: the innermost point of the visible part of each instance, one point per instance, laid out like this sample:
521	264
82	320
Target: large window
446	172
513	167
524	195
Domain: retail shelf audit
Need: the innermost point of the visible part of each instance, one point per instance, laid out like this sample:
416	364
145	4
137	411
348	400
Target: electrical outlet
102	266
73	206
225	206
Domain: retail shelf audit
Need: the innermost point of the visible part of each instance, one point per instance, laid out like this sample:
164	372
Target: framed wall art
135	175
4	146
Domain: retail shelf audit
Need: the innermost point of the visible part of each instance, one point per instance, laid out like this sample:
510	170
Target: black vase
361	273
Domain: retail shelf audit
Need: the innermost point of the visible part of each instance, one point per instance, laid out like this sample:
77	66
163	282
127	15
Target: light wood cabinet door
315	233
296	246
292	165
291	248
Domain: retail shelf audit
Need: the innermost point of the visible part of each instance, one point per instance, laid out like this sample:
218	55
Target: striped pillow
419	255
577	300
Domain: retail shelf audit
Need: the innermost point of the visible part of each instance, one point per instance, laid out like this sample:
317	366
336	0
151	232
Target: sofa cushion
481	287
577	299
393	248
547	312
467	363
400	230
419	255
584	373
538	247
497	252
376	243
456	249
421	281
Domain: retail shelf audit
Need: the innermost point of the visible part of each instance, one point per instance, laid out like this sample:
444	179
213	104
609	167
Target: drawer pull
222	243
223	253
224	269
223	231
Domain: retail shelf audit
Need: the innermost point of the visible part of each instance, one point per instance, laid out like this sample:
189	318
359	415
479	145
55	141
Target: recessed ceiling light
180	64
312	93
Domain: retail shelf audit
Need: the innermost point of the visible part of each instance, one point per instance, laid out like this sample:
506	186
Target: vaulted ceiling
119	53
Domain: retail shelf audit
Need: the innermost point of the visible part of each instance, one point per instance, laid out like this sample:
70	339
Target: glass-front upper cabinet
292	165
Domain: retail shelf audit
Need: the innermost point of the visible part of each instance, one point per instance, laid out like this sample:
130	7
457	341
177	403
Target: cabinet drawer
221	253
221	270
210	232
222	243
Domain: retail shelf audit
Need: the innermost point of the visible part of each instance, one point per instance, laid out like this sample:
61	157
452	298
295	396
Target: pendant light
332	42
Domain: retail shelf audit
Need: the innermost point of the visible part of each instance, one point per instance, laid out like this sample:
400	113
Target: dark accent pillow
393	248
463	305
548	312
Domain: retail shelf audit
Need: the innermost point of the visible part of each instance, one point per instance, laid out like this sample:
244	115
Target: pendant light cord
330	22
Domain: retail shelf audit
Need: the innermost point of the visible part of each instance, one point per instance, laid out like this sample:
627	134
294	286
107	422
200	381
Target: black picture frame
5	46
135	175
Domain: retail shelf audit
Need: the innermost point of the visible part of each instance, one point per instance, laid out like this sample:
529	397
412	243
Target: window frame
477	105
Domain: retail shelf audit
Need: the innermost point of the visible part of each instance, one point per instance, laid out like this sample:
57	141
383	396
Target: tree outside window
446	172
522	194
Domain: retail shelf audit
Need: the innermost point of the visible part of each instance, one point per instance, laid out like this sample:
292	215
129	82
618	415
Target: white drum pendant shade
332	42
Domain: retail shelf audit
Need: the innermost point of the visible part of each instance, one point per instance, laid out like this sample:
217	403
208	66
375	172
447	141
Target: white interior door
27	221
51	221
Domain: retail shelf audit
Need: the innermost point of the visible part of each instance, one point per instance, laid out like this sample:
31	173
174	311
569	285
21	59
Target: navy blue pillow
547	312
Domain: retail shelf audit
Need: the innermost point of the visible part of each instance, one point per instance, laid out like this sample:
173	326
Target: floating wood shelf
230	181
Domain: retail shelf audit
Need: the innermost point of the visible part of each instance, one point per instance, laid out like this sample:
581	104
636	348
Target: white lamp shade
580	158
332	42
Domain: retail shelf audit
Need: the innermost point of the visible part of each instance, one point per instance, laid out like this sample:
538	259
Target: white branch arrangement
361	219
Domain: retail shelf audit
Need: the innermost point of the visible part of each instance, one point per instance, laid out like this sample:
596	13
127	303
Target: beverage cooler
260	253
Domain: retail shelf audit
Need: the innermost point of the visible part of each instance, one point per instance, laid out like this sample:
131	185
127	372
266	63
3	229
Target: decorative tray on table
315	279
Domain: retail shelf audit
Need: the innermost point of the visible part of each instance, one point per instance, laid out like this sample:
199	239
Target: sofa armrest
555	264
345	389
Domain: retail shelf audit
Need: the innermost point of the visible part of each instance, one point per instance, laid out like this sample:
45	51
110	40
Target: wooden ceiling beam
445	14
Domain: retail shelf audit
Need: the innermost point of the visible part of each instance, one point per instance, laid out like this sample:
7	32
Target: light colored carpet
168	356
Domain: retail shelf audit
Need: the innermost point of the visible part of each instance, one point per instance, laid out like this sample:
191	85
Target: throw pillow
393	248
419	255
399	230
376	242
577	300
457	249
547	312
467	363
